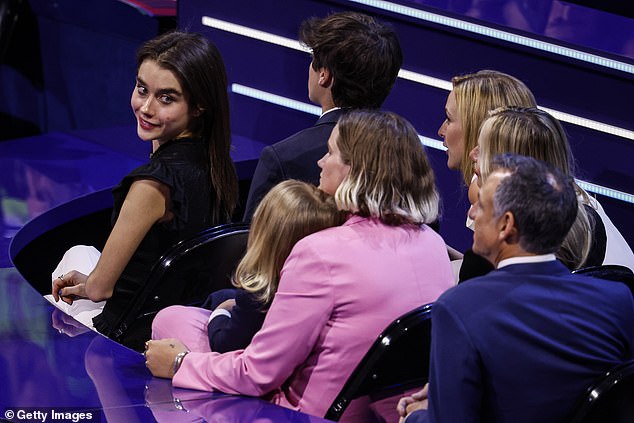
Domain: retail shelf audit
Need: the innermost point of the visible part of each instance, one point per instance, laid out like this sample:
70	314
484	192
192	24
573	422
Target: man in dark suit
524	342
356	60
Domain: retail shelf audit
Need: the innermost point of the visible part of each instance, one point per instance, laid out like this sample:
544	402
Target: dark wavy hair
363	55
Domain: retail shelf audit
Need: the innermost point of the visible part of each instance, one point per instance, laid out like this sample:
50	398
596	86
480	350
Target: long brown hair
197	65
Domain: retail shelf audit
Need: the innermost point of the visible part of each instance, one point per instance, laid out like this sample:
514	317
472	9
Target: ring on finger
61	277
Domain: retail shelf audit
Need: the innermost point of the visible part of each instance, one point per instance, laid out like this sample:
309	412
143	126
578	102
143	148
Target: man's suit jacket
339	288
523	343
293	158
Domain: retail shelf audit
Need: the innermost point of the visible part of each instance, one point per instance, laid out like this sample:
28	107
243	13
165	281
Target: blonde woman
593	238
340	287
288	213
472	97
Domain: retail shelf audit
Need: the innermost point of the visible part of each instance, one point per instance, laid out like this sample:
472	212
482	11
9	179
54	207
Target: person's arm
293	324
268	173
144	205
455	386
236	332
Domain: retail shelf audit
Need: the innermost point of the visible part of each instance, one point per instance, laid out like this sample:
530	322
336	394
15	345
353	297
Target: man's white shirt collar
527	259
328	111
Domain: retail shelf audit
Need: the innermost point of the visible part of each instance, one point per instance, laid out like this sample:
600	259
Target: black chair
186	274
397	361
612	272
611	399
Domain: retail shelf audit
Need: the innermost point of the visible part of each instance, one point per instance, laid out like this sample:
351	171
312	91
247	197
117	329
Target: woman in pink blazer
340	287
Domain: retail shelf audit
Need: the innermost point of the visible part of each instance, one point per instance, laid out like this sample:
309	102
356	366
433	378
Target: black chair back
398	360
610	399
186	274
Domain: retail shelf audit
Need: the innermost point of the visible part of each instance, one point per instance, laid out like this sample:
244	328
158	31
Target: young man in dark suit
355	62
524	342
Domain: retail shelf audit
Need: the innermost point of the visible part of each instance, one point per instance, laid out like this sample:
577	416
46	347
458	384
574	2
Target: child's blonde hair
289	212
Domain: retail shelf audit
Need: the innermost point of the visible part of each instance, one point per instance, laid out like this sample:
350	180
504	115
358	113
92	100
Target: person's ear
325	78
507	231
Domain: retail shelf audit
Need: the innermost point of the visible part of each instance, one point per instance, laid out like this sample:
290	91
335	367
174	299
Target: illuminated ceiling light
606	192
276	99
406	74
590	124
497	34
254	33
428	142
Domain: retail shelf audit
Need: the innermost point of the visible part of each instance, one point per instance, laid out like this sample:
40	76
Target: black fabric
293	158
235	332
473	266
596	255
182	165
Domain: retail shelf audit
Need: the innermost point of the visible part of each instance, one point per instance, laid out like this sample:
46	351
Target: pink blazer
339	289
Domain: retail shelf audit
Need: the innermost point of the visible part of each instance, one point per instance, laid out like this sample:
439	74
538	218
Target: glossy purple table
48	360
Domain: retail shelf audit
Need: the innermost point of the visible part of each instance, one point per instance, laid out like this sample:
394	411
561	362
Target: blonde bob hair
290	211
390	178
529	131
478	93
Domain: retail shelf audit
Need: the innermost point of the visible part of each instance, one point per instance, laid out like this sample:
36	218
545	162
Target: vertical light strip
497	34
407	75
428	142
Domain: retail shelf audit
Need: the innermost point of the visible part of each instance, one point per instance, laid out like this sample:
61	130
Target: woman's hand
160	355
70	286
417	401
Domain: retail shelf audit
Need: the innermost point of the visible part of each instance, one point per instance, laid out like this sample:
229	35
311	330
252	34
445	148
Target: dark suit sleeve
455	385
268	173
235	332
418	416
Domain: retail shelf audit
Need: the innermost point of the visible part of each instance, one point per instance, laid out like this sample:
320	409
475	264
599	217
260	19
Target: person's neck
327	103
510	251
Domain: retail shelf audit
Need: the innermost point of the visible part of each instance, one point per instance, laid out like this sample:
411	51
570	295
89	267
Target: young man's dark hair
356	60
362	54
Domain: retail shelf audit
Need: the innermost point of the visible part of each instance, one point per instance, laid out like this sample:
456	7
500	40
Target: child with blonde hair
289	212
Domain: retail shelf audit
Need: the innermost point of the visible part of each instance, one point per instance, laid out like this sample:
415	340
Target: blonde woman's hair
478	93
390	178
290	211
535	133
